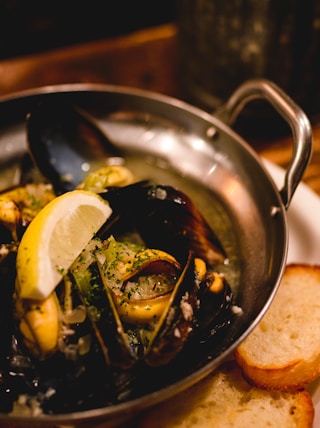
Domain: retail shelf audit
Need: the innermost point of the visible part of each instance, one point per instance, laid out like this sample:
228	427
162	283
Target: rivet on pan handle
291	113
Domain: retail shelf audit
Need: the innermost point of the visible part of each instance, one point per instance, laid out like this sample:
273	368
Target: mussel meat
19	205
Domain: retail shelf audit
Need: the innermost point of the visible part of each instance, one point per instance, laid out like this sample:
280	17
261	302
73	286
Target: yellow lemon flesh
55	238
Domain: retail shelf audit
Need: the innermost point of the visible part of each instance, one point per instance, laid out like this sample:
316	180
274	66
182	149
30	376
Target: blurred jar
225	42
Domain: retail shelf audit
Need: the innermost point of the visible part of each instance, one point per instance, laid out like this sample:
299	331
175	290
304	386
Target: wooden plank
145	59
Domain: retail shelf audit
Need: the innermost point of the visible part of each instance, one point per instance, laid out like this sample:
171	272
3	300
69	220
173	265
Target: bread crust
283	351
291	377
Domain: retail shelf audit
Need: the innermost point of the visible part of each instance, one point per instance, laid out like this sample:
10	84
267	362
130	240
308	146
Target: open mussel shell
66	144
215	300
166	218
124	344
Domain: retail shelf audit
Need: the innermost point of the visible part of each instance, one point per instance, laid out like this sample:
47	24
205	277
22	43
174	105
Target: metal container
177	144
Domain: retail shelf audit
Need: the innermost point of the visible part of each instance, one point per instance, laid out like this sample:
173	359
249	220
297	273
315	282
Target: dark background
31	26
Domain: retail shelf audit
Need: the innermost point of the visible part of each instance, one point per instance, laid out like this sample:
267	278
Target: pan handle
291	113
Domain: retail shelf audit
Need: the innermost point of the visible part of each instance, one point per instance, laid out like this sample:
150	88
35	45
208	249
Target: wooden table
146	59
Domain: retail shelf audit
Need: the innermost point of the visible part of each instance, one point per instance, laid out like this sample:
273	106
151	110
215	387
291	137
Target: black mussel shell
166	218
215	299
104	317
176	325
8	253
65	144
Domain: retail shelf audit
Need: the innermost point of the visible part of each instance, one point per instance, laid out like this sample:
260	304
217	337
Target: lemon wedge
55	238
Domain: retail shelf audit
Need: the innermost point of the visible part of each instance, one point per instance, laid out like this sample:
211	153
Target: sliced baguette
283	351
224	400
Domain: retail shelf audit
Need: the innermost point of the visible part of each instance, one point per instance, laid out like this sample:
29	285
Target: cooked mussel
39	323
134	291
166	218
19	205
65	143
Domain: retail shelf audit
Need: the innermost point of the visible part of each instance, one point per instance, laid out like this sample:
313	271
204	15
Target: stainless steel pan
178	144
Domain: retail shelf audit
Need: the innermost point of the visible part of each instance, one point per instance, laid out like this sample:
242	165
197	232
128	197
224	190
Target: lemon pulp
55	238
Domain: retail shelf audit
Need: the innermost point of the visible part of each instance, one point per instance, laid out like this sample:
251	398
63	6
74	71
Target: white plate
304	242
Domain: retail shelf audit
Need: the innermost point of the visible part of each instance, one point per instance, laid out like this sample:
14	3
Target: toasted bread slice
224	399
283	351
